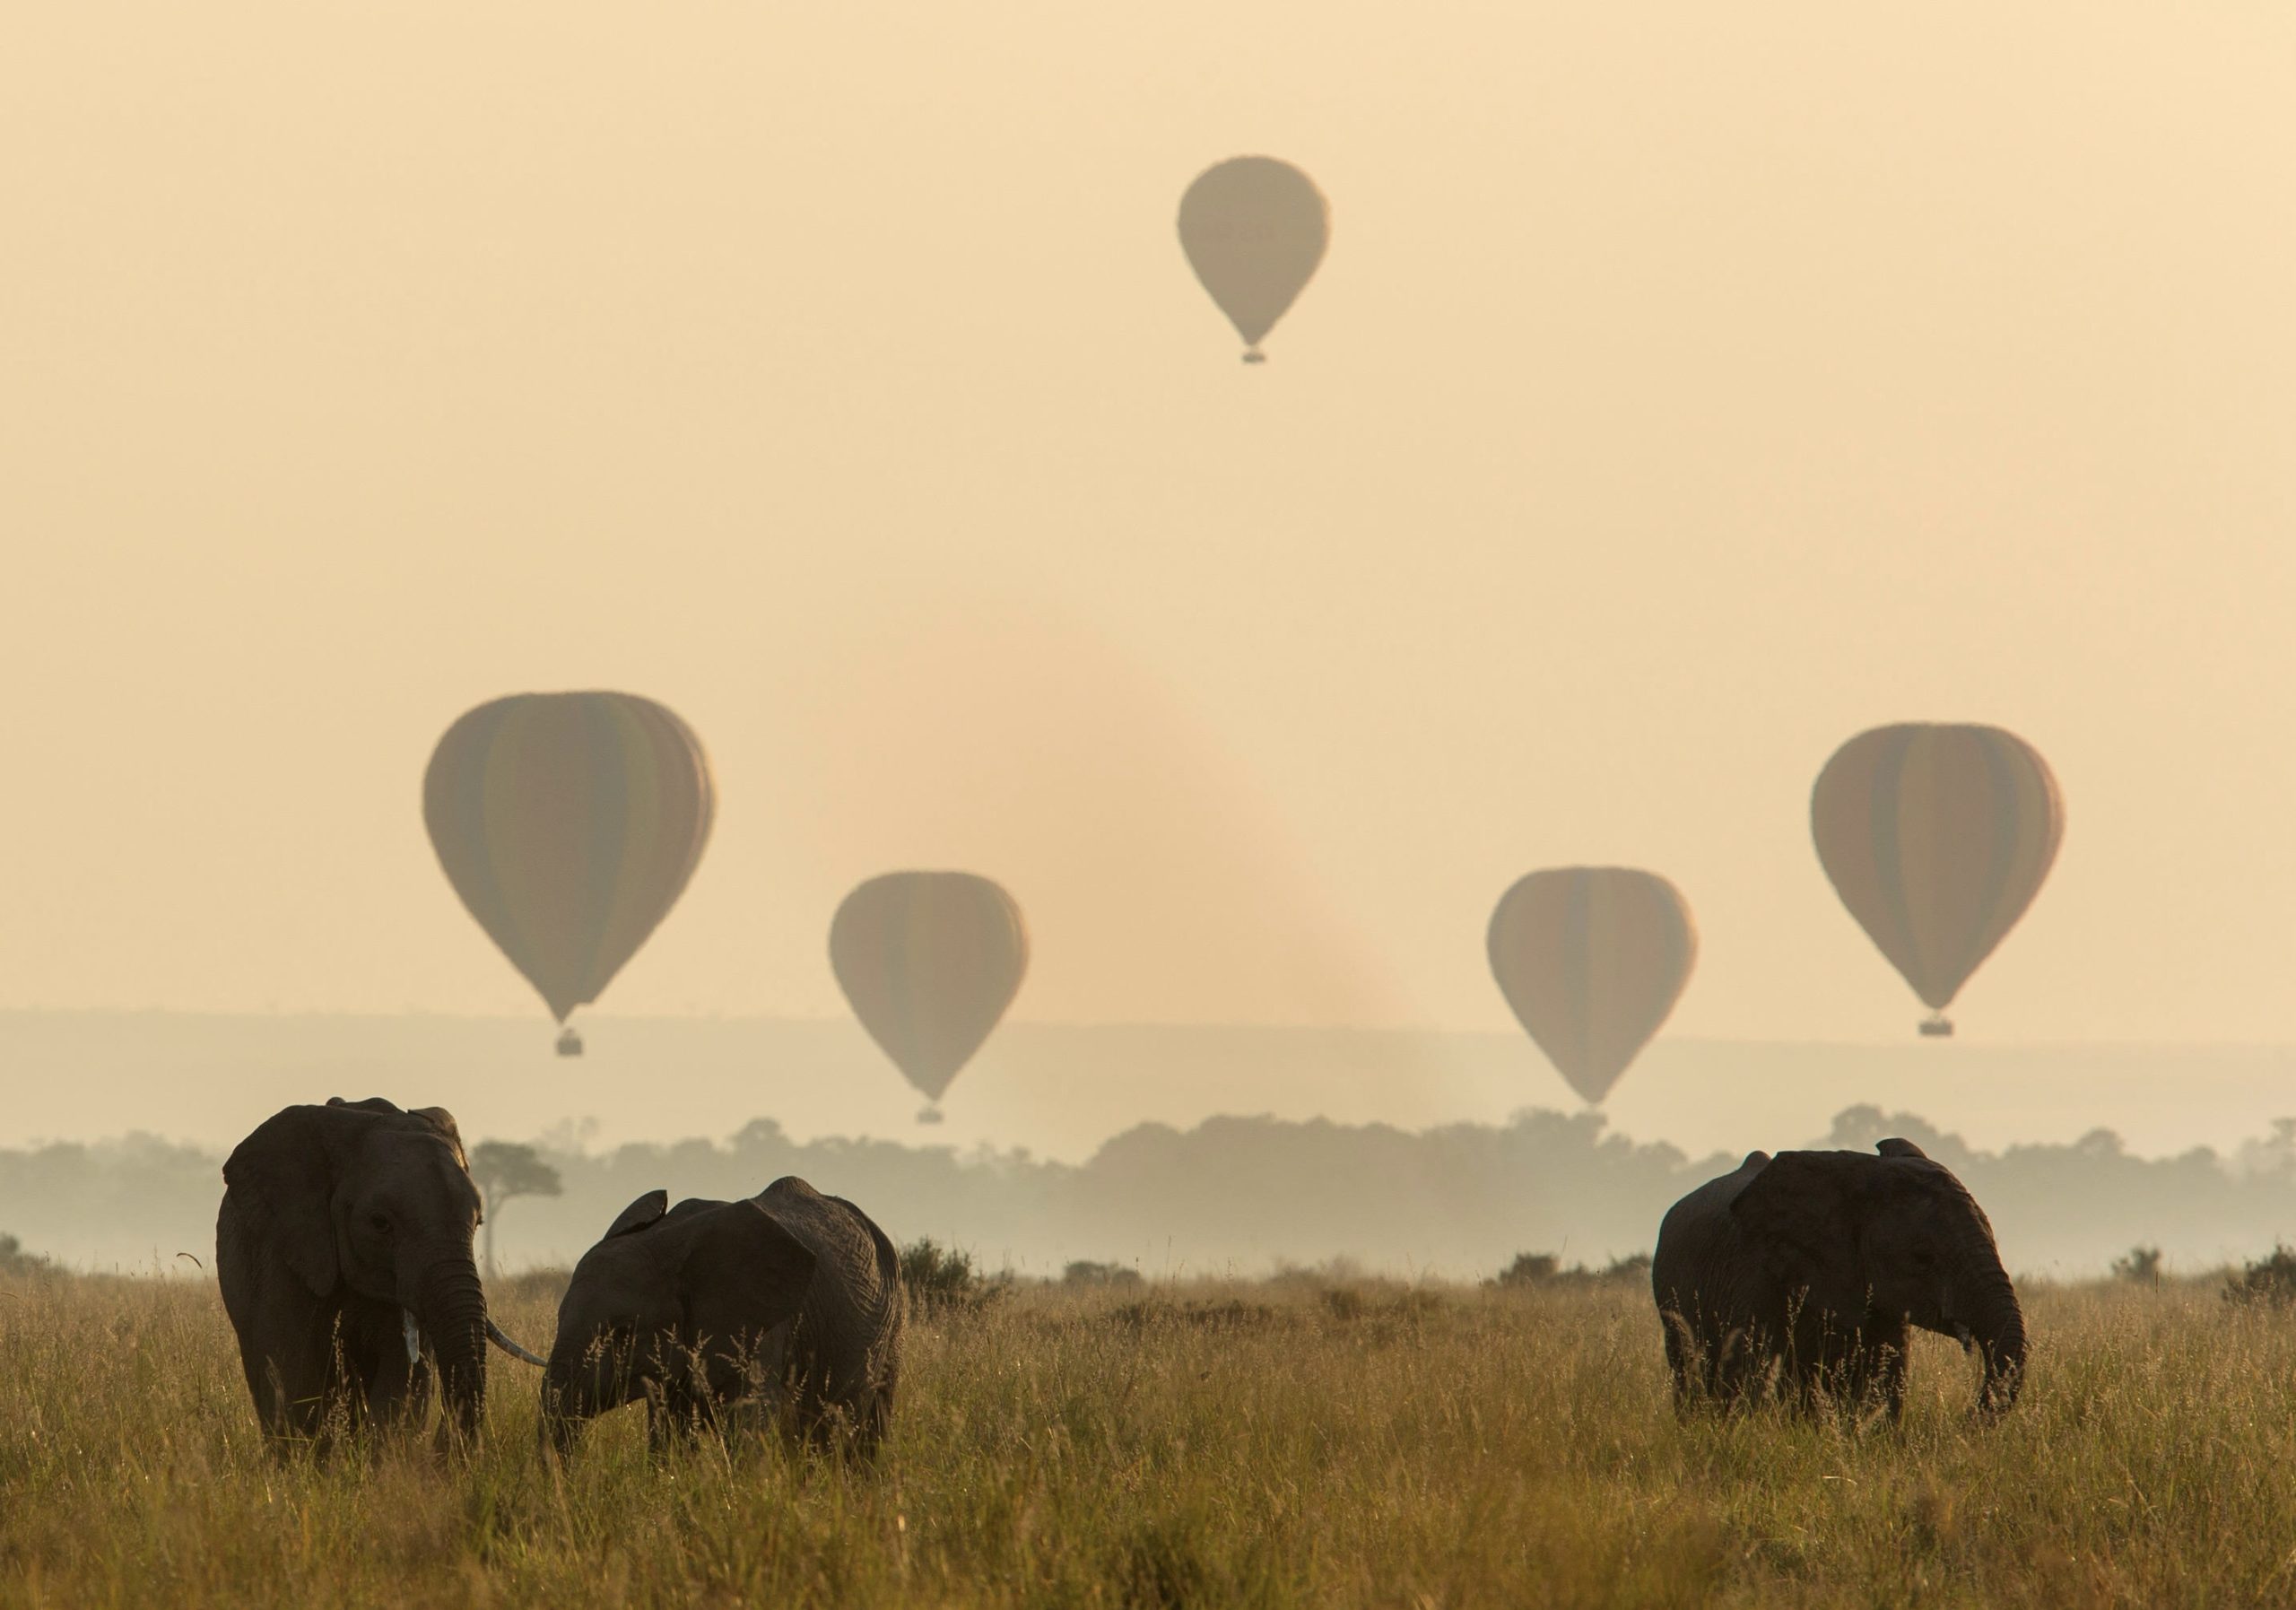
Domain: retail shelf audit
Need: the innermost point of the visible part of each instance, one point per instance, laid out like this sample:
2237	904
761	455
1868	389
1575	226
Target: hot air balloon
1936	838
1592	958
1254	230
570	824
929	961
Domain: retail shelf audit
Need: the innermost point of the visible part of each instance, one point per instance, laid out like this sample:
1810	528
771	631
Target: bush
1086	1273
2268	1283
15	1260
1545	1269
2139	1265
942	1280
1530	1269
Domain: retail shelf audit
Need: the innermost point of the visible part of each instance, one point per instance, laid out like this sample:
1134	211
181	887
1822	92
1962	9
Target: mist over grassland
1233	1195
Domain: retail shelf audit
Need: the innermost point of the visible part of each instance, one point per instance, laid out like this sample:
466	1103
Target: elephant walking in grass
786	1306
1801	1273
342	1250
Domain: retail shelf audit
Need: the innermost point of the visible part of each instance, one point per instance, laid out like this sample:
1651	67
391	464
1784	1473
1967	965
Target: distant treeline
1237	1195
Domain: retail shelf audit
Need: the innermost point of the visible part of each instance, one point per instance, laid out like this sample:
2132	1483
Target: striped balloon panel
569	823
1592	958
1936	838
929	961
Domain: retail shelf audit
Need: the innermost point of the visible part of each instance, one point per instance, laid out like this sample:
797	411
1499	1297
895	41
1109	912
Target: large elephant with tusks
1801	1275
343	1252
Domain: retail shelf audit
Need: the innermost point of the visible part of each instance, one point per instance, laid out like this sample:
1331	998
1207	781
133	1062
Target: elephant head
361	1199
665	1292
1892	1237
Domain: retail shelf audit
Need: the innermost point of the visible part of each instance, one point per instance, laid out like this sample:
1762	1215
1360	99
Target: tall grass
1258	1445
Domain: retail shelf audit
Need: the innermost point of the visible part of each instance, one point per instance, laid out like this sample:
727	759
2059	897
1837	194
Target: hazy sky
1687	389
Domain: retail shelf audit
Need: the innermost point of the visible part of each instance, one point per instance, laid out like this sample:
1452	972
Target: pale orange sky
1687	389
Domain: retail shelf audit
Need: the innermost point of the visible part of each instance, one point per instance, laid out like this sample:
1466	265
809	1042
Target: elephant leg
1681	1362
1882	1367
397	1393
877	1420
352	1387
392	1390
1738	1371
674	1413
286	1339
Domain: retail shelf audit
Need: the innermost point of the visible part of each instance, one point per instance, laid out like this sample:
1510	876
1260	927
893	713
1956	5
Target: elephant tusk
413	1337
494	1335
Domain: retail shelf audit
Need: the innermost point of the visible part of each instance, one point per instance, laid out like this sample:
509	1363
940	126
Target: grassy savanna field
1301	1441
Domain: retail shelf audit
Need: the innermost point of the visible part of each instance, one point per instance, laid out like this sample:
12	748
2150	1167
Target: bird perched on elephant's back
788	1304
1802	1273
342	1250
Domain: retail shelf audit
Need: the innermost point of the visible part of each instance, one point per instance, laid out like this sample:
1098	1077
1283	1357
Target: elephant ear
646	1210
744	1274
285	1172
1802	1213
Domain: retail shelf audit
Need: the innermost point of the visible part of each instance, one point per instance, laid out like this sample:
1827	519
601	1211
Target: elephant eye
382	1222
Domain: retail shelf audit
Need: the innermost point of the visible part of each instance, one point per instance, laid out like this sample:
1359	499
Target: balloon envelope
929	961
1592	958
1254	230
570	824
1936	838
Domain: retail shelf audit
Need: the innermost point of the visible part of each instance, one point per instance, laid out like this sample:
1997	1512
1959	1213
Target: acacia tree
503	1170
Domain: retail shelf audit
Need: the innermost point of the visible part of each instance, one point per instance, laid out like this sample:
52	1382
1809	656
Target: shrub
1530	1269
1086	1273
1633	1269
2140	1265
943	1279
15	1260
1545	1269
2268	1283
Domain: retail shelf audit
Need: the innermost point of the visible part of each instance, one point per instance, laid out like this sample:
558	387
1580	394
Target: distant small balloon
1254	229
929	961
568	824
1936	837
1592	958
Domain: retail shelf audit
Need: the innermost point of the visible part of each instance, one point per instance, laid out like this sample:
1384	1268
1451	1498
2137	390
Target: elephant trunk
561	1423
569	1397
1996	1328
451	1307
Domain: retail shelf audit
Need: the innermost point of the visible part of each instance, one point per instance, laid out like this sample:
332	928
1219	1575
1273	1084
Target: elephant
343	1252
785	1306
1800	1274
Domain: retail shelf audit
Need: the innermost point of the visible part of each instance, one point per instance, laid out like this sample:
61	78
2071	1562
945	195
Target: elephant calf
1802	1272
342	1250
789	1302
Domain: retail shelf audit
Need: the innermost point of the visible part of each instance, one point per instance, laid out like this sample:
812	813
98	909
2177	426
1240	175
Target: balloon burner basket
929	1115
569	1042
1939	1027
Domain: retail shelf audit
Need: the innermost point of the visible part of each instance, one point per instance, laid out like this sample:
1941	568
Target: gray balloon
1254	229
